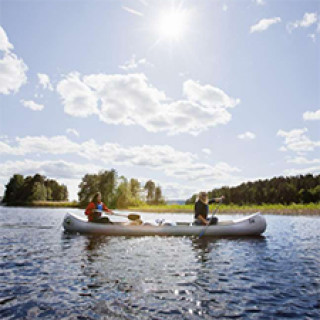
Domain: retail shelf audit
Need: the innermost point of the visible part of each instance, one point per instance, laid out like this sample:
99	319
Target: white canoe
252	225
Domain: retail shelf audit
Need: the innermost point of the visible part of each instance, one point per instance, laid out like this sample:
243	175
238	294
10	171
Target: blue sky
191	94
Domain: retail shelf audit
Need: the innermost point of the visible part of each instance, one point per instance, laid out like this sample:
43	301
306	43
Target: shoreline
306	212
293	209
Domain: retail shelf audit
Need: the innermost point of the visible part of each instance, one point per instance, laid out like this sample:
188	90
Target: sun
172	25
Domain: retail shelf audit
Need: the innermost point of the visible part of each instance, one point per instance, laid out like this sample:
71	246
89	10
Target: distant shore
47	204
292	209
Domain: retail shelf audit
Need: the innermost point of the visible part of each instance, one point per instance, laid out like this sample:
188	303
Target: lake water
46	273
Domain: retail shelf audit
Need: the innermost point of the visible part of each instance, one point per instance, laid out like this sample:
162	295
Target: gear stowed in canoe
252	225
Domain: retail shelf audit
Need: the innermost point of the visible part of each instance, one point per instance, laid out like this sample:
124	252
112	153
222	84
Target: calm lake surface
46	273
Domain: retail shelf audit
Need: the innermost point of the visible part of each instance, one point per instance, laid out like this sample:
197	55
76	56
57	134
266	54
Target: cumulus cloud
172	162
134	63
308	20
247	136
12	73
264	24
131	100
208	95
312	115
44	81
5	45
78	98
12	69
296	140
32	105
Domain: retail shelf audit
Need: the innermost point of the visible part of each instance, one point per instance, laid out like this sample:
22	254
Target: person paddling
95	208
201	210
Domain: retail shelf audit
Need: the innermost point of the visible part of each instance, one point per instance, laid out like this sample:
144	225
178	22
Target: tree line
278	190
118	192
20	190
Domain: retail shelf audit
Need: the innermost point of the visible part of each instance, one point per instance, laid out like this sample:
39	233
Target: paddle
206	227
131	216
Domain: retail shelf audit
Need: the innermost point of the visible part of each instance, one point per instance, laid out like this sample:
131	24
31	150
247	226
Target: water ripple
45	273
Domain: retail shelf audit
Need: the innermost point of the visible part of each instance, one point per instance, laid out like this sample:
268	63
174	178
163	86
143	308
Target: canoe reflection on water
204	246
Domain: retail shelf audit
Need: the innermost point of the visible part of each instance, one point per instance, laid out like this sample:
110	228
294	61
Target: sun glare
172	25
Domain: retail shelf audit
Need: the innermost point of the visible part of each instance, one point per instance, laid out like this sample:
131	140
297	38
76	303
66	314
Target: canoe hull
252	225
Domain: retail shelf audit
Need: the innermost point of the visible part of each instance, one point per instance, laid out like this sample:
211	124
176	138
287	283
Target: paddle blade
133	217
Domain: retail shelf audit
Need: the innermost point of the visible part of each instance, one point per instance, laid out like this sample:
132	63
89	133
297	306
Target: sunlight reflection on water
48	273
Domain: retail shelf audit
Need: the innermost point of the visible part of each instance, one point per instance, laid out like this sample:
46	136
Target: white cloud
196	171
176	191
133	63
70	174
312	115
173	163
132	11
78	99
297	141
73	131
42	144
44	81
247	136
54	169
12	69
5	148
5	45
208	95
302	160
131	100
307	20
206	151
224	7
32	105
264	24
12	73
294	172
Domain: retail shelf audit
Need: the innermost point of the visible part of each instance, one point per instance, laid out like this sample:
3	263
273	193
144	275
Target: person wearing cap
201	210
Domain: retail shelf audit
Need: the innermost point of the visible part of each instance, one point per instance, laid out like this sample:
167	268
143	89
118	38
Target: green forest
118	192
302	189
20	190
